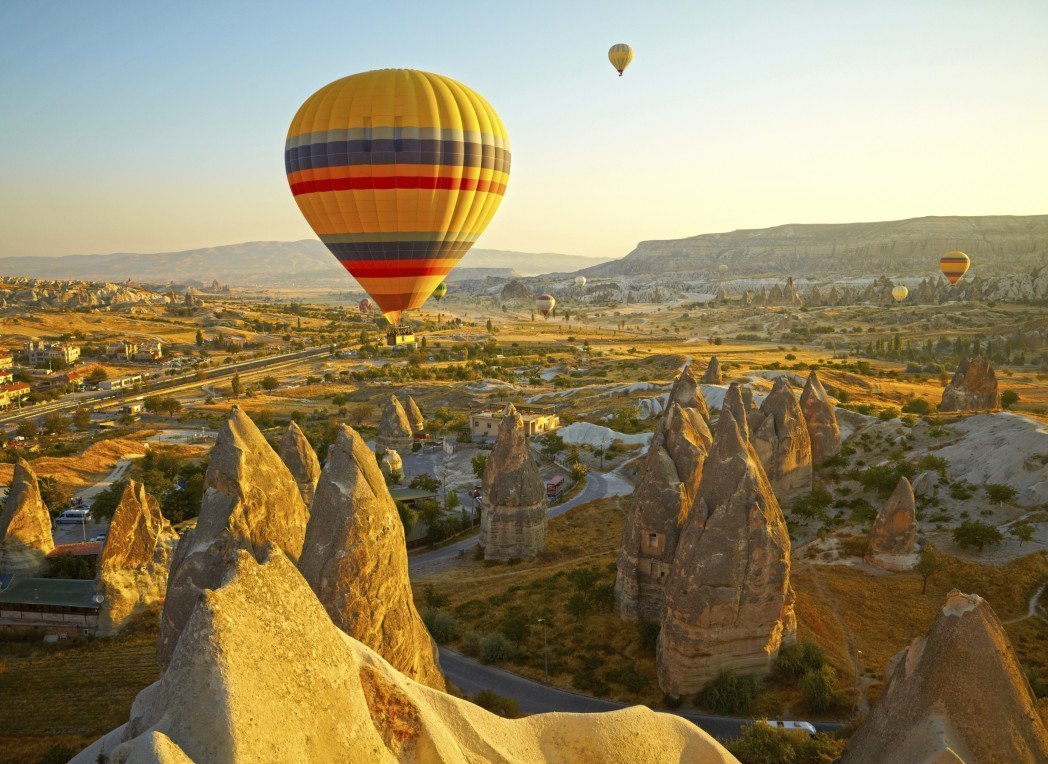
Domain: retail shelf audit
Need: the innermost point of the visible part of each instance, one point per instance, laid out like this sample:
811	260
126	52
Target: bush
497	704
471	643
974	534
1009	398
999	493
917	406
797	659
760	743
494	648
729	693
815	503
442	627
819	688
961	491
647	633
935	463
628	677
889	413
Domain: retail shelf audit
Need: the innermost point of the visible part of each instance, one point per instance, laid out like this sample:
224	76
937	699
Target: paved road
533	697
598	486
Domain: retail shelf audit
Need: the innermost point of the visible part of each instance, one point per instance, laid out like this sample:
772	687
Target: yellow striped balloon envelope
620	54
954	265
900	293
398	172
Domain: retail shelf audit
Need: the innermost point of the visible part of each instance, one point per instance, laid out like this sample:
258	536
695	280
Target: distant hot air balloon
954	265
440	291
366	305
398	172
580	281
620	56
545	303
899	293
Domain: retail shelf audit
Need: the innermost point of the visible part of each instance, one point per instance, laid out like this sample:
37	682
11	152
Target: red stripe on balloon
382	269
441	183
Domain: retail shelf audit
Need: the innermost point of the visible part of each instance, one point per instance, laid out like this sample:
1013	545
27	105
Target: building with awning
54	604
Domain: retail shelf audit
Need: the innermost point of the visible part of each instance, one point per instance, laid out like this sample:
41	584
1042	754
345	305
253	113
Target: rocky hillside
996	244
261	263
36	293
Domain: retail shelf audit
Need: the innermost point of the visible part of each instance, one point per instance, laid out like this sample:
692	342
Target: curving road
533	697
598	486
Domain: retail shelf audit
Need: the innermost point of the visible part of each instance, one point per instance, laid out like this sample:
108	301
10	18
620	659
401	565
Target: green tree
999	493
269	383
819	688
236	386
97	374
27	429
729	693
1009	398
82	419
551	444
479	463
494	648
56	424
975	534
516	626
579	470
434	600
199	338
929	563
424	482
1022	530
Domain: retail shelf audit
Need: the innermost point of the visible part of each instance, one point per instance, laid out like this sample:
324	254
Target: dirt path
1032	610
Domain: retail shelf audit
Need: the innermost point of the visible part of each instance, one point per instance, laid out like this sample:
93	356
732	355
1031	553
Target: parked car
807	727
99	537
73	516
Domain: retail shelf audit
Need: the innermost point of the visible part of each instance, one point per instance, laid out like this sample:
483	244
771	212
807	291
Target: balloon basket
399	336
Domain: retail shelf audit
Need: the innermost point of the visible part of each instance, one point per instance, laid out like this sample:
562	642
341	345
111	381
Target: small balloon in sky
620	56
954	265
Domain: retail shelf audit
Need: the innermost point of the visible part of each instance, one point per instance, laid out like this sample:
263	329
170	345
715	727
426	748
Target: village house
149	351
6	361
120	383
485	424
124	350
39	352
12	393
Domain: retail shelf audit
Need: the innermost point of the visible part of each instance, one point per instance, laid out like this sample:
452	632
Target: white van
74	516
807	727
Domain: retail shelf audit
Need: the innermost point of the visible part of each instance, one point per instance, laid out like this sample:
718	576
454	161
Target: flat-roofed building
485	424
38	352
12	393
53	604
120	383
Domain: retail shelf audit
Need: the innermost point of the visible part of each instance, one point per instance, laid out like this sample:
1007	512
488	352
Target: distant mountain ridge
996	244
261	263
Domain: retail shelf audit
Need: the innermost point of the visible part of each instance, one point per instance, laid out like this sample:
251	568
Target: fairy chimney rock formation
821	418
666	487
781	441
738	402
685	392
301	460
893	537
25	525
250	500
391	463
973	387
956	694
415	418
261	674
513	520
729	602
355	559
712	375
394	429
135	561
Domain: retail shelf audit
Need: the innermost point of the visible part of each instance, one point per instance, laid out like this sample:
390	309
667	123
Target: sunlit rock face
712	375
513	520
973	387
301	460
821	418
781	441
250	500
355	559
261	674
415	418
665	489
25	525
892	541
729	602
134	564
394	428
956	694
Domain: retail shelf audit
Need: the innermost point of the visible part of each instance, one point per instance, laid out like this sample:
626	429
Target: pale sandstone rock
415	418
513	520
355	559
959	691
973	387
301	460
391	463
250	500
25	525
260	674
738	402
893	537
781	441
821	418
133	567
394	429
729	602
712	375
666	486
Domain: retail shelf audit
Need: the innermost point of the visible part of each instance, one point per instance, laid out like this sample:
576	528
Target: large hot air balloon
899	293
365	306
545	303
954	265
580	281
440	291
398	171
620	54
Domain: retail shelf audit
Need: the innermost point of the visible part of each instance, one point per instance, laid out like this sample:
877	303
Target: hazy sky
149	126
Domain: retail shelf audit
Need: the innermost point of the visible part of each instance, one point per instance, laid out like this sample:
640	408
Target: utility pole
545	647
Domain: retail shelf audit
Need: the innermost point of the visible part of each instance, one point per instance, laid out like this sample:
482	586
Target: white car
807	727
